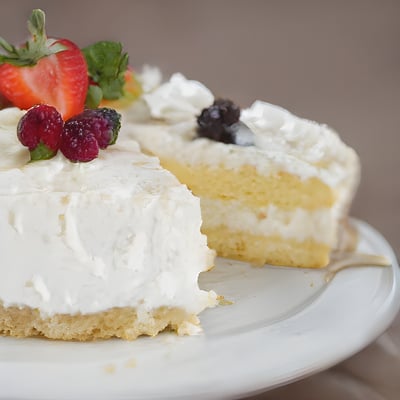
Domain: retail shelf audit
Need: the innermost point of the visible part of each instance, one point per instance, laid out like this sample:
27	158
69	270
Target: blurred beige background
337	62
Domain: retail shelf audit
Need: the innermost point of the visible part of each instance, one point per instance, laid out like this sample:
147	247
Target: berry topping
217	121
40	130
44	71
103	122
88	132
78	141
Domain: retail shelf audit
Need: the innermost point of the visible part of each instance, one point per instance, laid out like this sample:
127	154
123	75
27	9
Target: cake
108	248
274	188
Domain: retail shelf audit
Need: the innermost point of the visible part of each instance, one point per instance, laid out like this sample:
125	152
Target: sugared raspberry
105	124
40	130
215	121
78	141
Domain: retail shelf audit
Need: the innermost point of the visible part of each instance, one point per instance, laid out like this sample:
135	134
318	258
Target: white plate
283	324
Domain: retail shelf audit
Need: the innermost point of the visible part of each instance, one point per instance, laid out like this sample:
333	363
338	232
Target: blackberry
106	123
216	122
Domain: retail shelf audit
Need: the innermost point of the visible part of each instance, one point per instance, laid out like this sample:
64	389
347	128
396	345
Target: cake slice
274	188
108	248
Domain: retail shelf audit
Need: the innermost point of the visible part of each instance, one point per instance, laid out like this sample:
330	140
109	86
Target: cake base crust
117	322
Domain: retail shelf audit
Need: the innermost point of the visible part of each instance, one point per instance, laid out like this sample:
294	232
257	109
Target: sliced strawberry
44	71
4	103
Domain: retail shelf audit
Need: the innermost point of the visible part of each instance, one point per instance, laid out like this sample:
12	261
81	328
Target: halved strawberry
44	71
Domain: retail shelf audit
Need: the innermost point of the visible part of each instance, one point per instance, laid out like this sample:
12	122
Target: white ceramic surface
283	324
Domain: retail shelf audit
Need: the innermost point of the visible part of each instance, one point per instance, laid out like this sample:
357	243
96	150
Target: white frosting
277	130
299	224
178	99
82	238
150	78
168	141
283	141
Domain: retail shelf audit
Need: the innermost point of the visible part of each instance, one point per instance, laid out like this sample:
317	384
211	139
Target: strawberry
44	71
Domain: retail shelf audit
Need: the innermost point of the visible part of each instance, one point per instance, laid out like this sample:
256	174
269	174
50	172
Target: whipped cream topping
178	99
282	141
87	237
150	78
276	129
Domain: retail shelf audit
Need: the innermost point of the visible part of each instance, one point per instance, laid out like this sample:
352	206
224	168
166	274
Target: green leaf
42	152
93	97
36	23
106	66
37	47
9	48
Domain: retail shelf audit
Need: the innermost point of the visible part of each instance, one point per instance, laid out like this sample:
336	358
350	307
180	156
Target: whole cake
97	240
274	188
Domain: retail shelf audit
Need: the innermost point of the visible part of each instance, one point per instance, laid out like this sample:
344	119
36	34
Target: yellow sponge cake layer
284	190
259	249
219	188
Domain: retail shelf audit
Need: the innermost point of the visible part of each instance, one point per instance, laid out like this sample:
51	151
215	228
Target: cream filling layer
319	225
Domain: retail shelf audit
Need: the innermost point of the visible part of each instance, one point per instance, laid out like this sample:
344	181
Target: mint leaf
106	67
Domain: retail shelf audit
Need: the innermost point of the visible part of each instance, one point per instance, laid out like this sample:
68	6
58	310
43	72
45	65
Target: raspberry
78	141
216	122
105	124
88	131
40	130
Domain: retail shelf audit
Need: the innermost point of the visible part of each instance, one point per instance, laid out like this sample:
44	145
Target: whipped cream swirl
179	99
276	129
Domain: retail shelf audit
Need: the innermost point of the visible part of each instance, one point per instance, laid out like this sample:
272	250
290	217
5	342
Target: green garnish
37	47
107	65
42	152
94	96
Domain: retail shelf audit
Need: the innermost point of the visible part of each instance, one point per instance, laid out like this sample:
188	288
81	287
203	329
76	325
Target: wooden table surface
334	62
